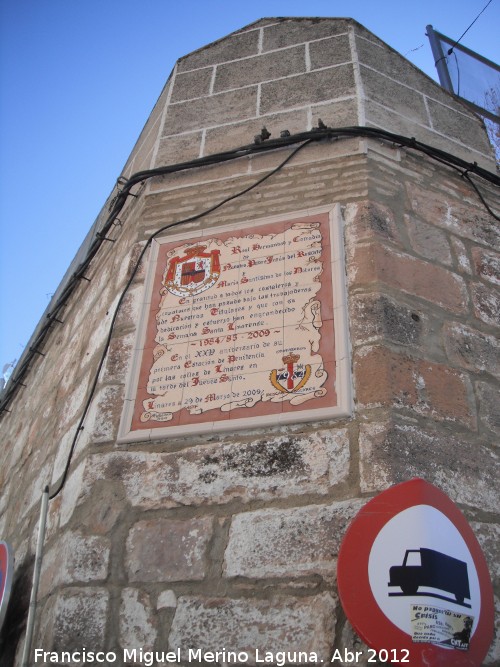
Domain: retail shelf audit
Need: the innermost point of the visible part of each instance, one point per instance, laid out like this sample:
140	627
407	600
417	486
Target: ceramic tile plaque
241	326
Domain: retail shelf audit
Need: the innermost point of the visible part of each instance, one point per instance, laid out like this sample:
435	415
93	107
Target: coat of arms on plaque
194	273
292	377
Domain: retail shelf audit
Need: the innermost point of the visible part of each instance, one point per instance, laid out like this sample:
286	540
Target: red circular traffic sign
410	571
6	567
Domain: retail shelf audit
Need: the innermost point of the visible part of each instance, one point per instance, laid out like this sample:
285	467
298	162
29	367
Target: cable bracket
104	238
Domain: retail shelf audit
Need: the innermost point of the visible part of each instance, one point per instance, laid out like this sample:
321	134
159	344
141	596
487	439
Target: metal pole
439	60
36	577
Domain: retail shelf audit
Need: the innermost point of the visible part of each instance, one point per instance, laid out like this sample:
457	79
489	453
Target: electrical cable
450	51
192	218
478	192
169	226
318	134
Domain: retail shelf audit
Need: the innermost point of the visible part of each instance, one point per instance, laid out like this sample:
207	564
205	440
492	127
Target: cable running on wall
53	493
464	168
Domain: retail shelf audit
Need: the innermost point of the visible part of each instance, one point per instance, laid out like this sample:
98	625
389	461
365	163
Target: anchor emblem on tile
292	376
196	272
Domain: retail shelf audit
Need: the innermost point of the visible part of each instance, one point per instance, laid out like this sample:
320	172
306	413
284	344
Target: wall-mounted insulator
121	181
52	318
264	134
103	238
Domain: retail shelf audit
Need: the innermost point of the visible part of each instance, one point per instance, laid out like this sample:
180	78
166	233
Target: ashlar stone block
193	84
264	468
465	127
383	90
168	549
229	48
459	216
104	414
472	349
486	303
232	136
137	623
310	88
291	542
410	275
489	407
117	359
429	241
493	657
266	67
370	220
349	641
488	535
77	619
392	453
385	378
255	626
487	265
211	111
75	558
377	317
328	52
378	57
286	32
339	113
179	148
462	257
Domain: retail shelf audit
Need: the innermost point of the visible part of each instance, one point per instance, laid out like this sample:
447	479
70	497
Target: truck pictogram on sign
431	569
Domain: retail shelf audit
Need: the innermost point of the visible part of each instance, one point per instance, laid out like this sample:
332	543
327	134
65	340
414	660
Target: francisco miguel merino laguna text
153	658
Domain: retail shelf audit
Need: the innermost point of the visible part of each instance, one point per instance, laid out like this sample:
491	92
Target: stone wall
287	74
231	541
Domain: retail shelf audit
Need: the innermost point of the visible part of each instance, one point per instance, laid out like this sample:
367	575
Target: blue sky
78	80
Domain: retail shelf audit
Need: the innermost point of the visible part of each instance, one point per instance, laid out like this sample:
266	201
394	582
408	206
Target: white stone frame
342	347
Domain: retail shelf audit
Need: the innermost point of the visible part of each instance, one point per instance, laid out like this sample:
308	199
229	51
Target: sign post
413	580
6	568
